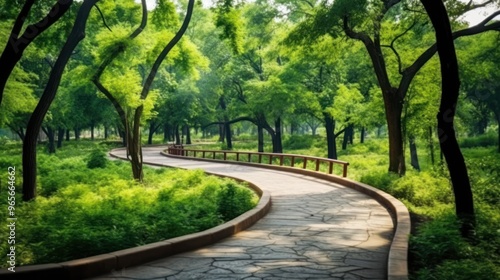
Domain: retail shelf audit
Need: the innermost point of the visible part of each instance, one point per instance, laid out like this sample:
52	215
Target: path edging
397	262
108	262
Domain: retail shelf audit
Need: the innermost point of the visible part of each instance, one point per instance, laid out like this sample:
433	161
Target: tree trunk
464	203
77	133
36	119
67	135
227	129
413	153
347	136
106	132
151	132
330	136
277	143
51	145
60	136
431	145
92	126
134	145
362	137
177	135
188	134
393	112
260	139
221	133
167	135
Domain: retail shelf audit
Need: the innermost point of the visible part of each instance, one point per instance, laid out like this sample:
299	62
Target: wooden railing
260	157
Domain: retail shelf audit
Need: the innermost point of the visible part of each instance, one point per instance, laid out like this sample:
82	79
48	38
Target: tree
464	204
29	146
364	21
131	116
18	42
481	79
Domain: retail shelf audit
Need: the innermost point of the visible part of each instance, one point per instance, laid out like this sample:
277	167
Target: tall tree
29	146
131	119
464	203
364	21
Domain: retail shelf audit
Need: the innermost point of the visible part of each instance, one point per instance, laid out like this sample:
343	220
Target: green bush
422	189
466	269
438	240
484	140
232	201
381	180
97	159
298	142
80	212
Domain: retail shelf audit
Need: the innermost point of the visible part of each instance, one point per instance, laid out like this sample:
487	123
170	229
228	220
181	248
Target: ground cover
88	205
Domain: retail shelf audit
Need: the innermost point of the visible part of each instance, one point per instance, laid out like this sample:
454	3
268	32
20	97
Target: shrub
80	212
381	180
97	159
232	201
437	240
298	142
484	140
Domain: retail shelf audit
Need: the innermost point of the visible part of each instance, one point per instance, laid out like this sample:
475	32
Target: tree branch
102	17
167	49
239	119
56	12
391	46
410	72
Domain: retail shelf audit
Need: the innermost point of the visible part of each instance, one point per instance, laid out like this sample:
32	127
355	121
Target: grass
88	205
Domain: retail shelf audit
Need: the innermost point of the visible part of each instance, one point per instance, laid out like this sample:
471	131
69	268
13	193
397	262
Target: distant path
315	230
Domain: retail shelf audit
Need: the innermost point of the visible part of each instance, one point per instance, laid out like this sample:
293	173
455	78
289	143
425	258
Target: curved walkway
315	230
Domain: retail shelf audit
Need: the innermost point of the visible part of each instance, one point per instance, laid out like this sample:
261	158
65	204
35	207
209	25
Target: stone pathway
315	230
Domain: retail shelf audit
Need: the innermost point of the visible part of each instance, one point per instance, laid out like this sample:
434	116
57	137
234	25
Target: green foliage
229	20
438	240
442	253
233	200
381	181
97	159
484	140
297	142
81	212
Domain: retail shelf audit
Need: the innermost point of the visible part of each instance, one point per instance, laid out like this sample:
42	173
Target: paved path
315	230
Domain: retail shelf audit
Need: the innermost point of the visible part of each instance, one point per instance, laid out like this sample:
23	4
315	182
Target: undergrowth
89	205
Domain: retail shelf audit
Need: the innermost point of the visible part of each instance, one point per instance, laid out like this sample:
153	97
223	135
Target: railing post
281	160
270	159
194	155
317	164
293	161
249	154
330	168
225	155
304	165
260	158
203	154
213	155
237	156
345	170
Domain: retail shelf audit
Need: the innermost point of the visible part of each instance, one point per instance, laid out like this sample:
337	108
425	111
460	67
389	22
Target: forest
366	82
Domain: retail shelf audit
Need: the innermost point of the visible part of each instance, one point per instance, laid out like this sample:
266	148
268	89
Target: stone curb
397	262
105	263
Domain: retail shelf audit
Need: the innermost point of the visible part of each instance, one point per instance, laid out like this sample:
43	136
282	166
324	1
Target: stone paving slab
315	230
